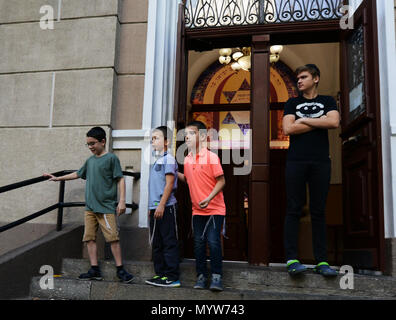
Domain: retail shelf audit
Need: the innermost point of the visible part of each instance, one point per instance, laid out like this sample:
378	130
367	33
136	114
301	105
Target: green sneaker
325	270
294	267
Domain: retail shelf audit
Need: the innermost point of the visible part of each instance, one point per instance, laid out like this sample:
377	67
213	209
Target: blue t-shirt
164	165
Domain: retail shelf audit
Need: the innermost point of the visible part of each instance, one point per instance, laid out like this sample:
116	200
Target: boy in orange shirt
205	178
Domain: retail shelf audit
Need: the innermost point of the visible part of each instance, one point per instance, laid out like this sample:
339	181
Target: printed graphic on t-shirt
310	110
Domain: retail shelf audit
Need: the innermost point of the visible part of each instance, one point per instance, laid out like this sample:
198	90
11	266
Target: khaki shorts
107	223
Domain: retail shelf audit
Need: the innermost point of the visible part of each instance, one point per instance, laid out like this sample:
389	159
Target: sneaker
124	276
165	282
216	283
92	274
153	280
325	270
201	282
294	267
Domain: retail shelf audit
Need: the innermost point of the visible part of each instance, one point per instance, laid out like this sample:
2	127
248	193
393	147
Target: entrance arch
219	84
221	98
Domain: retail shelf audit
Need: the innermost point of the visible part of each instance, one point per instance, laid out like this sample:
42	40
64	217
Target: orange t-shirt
201	174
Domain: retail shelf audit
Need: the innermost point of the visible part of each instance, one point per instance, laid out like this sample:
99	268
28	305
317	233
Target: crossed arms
292	126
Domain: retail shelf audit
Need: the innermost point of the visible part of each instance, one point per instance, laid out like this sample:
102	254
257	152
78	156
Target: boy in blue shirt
103	175
162	212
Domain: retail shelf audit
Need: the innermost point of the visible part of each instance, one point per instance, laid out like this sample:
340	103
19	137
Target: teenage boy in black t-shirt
306	119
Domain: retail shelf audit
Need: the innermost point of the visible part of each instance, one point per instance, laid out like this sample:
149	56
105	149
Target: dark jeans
317	175
165	245
207	230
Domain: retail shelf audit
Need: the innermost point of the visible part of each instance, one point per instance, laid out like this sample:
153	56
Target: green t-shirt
102	174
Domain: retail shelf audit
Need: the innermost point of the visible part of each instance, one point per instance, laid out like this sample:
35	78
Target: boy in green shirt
103	174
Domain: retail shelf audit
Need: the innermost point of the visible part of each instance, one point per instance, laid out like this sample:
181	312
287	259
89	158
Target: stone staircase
241	282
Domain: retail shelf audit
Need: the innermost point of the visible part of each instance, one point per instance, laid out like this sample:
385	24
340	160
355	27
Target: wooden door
361	135
235	196
235	237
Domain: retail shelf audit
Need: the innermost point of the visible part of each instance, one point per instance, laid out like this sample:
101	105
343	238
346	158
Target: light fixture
275	53
241	57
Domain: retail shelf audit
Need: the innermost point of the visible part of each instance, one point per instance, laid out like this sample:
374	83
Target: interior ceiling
210	43
324	55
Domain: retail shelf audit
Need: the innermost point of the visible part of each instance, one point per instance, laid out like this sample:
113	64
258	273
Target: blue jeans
207	230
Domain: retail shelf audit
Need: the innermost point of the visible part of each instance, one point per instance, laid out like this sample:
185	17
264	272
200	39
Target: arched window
221	99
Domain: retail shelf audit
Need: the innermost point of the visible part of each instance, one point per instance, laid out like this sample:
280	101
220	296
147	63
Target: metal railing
60	205
223	13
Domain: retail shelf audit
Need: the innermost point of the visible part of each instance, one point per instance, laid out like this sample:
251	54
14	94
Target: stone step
73	289
244	277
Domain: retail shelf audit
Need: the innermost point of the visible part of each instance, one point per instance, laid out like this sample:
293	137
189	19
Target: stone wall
57	84
130	70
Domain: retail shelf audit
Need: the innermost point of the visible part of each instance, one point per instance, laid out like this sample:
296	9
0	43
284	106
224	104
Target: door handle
352	139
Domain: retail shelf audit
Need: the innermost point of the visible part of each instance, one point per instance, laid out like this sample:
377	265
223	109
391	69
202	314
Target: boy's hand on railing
51	177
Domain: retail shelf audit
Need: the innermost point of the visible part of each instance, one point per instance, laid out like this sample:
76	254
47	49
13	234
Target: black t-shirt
312	145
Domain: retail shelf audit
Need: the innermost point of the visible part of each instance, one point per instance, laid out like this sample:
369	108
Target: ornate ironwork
356	74
222	13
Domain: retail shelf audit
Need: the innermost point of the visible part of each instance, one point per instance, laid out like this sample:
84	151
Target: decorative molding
158	90
222	13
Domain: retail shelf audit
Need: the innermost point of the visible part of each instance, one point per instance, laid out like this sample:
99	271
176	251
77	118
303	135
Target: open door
180	117
361	146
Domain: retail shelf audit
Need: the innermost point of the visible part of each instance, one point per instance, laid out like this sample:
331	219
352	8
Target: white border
387	70
158	90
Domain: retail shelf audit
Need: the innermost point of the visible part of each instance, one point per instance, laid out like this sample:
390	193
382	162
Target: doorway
220	97
355	232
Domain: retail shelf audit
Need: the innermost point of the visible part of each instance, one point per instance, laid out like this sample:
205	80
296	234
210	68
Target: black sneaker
165	282
153	280
124	276
91	275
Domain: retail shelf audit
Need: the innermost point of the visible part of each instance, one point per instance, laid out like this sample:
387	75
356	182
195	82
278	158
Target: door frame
370	121
260	37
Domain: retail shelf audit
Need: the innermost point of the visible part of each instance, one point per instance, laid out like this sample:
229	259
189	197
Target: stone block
88	8
132	48
26	99
83	97
133	11
28	11
128	112
390	257
64	289
24	11
26	47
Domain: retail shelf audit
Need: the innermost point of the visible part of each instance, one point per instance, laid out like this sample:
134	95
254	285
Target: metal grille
222	13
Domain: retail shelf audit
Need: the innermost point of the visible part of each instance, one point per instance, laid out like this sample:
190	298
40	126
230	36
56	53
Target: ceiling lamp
241	58
275	53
